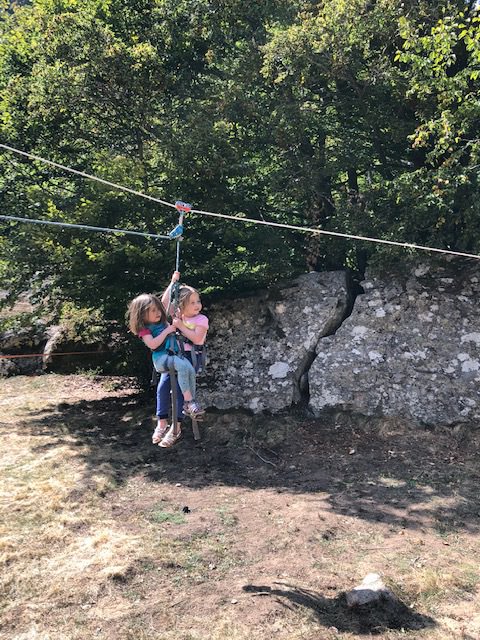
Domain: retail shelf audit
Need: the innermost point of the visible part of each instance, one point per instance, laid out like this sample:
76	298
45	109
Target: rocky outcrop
410	349
260	347
34	349
21	341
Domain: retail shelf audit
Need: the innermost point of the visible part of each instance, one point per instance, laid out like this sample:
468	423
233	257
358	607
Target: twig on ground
174	604
259	456
272	451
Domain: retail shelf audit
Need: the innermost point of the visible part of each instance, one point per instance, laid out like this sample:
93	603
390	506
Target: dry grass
95	542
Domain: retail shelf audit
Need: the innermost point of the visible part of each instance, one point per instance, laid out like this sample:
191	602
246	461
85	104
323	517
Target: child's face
193	306
153	315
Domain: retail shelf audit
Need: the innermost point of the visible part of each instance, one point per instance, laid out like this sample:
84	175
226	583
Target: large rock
259	347
411	349
16	343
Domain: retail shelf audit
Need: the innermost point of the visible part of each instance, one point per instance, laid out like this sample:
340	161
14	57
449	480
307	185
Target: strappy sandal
170	439
159	433
192	409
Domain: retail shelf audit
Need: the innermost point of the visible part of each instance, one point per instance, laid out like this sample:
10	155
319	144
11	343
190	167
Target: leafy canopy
359	117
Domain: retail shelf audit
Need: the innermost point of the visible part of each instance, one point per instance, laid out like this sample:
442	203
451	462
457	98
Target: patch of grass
428	586
91	372
446	528
226	517
159	516
434	584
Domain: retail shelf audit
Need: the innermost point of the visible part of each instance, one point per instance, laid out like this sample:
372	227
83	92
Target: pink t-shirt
198	320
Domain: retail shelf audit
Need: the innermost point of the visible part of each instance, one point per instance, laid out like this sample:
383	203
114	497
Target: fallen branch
259	456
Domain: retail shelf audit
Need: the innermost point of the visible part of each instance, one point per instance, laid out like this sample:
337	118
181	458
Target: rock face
22	340
411	349
260	347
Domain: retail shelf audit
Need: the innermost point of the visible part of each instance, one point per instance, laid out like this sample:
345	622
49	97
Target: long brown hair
138	308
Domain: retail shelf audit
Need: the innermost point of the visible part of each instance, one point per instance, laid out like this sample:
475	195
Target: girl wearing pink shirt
193	325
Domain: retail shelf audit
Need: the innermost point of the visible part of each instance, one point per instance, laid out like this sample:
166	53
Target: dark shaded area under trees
359	117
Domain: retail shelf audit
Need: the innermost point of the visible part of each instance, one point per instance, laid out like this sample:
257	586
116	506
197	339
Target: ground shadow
373	470
371	619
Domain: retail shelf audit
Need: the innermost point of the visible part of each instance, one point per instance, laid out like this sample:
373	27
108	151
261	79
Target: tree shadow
378	471
372	619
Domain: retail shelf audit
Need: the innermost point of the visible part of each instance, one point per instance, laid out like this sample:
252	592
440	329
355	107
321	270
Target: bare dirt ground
255	532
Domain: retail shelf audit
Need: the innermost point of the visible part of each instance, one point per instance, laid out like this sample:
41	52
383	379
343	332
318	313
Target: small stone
372	589
234	601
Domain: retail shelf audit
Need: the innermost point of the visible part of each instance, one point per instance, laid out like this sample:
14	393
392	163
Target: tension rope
237	218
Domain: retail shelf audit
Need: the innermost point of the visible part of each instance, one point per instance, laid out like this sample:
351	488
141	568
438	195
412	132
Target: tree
358	117
442	65
143	94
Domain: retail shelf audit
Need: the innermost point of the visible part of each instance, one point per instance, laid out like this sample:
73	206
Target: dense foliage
357	116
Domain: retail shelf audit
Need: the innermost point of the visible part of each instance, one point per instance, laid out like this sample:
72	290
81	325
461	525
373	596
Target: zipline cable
405	245
85	226
86	175
280	225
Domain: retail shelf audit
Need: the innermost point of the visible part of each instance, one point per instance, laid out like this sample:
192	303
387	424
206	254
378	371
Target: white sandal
193	409
170	439
159	433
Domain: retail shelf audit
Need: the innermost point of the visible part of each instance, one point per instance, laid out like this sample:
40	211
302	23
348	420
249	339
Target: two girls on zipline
147	318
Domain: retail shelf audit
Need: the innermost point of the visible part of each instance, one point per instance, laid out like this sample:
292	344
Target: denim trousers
164	389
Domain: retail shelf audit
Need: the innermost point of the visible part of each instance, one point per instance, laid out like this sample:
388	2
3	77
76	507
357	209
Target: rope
87	175
49	355
85	226
290	227
405	245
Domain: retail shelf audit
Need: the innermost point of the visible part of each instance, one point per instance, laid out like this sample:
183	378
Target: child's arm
152	343
167	293
197	335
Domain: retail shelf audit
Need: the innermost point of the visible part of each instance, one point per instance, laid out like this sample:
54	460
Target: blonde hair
184	295
138	308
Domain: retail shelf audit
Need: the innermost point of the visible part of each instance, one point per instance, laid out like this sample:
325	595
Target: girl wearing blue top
148	320
193	325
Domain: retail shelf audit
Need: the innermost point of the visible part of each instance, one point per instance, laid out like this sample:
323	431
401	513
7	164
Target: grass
94	542
226	517
160	516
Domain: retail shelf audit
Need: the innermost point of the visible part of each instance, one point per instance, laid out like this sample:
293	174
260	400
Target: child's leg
184	370
186	378
163	394
175	431
163	397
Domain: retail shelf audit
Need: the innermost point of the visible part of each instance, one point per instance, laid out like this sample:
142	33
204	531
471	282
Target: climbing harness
176	340
198	353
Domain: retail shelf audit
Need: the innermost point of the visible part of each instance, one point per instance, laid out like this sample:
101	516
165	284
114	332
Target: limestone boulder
19	342
410	348
261	346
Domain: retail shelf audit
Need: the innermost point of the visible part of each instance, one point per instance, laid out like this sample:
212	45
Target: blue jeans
163	392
